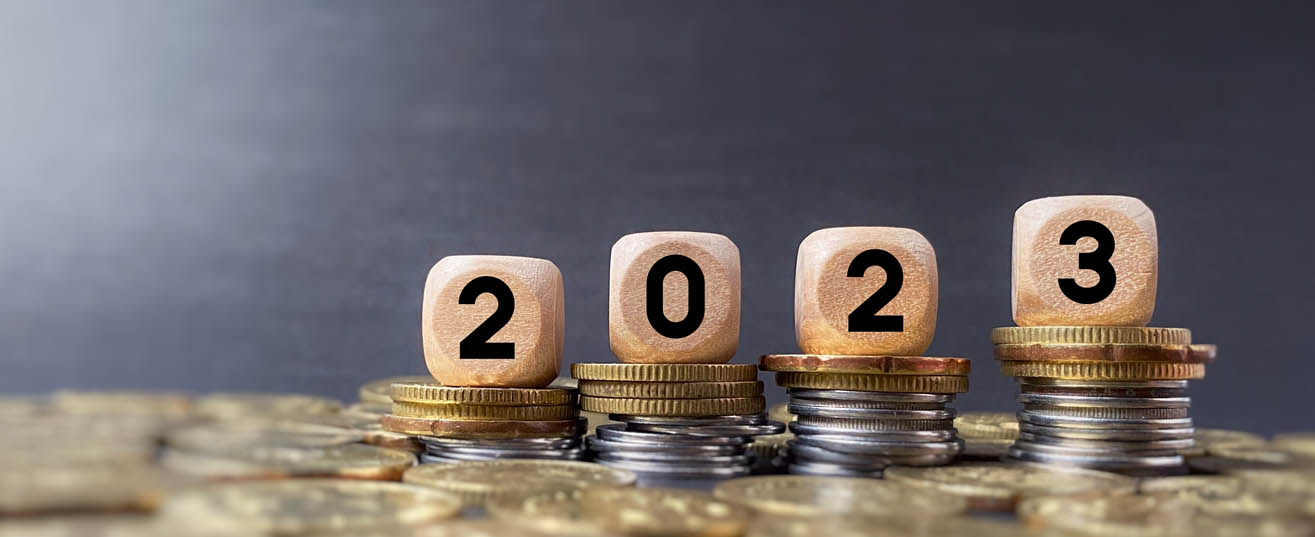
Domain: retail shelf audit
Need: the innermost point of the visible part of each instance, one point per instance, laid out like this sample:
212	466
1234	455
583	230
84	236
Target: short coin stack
859	414
1104	397
678	421
474	423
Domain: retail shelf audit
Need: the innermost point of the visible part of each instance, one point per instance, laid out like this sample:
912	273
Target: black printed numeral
1097	260
864	318
477	345
697	300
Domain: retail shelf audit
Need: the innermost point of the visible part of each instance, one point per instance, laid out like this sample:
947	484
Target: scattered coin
986	425
235	436
477	482
355	461
1303	443
172	406
818	496
228	406
990	486
658	511
81	487
380	391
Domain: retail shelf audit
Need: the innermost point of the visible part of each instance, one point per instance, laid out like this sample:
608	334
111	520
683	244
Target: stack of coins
677	421
1104	397
859	414
474	423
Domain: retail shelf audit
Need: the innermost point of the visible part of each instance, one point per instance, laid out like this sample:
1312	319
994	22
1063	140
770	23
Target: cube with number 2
493	321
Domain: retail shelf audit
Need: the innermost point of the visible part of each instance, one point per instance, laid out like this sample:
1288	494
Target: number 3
477	345
1097	260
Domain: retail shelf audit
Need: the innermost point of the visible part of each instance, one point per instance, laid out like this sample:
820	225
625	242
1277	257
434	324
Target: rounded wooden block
493	321
1084	260
886	365
696	278
865	291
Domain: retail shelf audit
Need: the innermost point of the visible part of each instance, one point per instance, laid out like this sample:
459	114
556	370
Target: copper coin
1185	354
883	365
483	428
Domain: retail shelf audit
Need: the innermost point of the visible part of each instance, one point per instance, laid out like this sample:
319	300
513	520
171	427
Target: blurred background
242	195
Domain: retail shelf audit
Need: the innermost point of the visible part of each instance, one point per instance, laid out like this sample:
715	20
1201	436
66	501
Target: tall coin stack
473	424
1103	397
677	421
856	415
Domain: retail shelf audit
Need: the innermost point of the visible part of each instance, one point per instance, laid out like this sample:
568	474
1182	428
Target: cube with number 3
1084	260
865	291
493	321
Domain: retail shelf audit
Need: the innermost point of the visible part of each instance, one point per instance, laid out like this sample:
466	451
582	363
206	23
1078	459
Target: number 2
477	345
864	318
1097	260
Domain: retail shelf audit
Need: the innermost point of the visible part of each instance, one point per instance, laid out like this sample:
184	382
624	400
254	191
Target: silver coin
649	468
849	444
619	432
875	397
853	426
683	450
810	408
738	419
1103	423
1088	401
1115	445
830	469
649	456
809	452
1107	412
877	405
1106	462
941	435
1117	435
771	427
1083	451
524	443
1076	383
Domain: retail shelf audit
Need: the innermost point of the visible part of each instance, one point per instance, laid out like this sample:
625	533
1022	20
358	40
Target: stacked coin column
1099	389
865	310
492	331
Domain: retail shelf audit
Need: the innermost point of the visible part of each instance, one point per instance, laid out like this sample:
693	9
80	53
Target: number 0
477	345
653	296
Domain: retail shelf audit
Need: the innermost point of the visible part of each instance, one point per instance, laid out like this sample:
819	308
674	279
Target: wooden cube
491	320
1084	260
865	291
674	297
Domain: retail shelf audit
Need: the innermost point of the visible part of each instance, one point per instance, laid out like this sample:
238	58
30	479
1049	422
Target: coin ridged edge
1104	370
665	372
670	390
724	406
849	425
490	412
438	394
873	383
881	365
1187	354
458	428
1115	335
479	493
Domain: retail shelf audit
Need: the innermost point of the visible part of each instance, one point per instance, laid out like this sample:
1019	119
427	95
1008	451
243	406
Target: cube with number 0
865	291
674	297
1084	260
494	321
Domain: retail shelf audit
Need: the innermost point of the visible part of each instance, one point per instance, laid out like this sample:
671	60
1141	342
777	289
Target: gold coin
824	496
227	406
1091	335
865	365
985	449
987	425
381	391
478	482
484	428
1303	443
1230	458
356	461
1117	515
172	406
994	486
375	410
81	487
434	394
1288	482
670	390
873	383
552	512
295	507
1178	354
780	412
1206	438
904	526
1104	370
368	426
1217	485
485	412
616	511
13	406
85	525
725	406
665	372
767	446
235	436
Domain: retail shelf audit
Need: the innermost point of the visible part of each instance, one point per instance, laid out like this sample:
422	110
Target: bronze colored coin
301	506
805	496
82	487
227	406
484	412
381	391
873	383
552	512
1104	370
484	428
435	394
237	436
866	365
984	425
725	406
994	486
1175	354
1090	335
173	406
355	461
670	390
659	511
665	372
479	481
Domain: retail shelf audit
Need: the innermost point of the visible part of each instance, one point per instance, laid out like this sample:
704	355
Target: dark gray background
247	195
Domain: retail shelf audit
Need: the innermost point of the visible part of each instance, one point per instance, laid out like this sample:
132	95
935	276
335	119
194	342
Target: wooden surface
535	327
826	292
634	338
1041	262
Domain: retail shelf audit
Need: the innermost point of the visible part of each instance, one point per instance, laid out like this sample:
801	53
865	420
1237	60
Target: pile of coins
476	423
856	415
1103	397
677	421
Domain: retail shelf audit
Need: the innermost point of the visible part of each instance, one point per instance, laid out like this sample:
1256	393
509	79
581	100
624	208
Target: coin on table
780	412
17	406
1090	335
980	425
483	428
994	486
1117	515
1217	485
874	383
174	406
1177	354
659	511
295	507
671	390
1090	370
226	406
356	461
94	487
477	482
1229	458
432	393
665	372
1210	438
89	525
865	365
811	496
230	436
675	407
1303	443
381	391
1299	482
